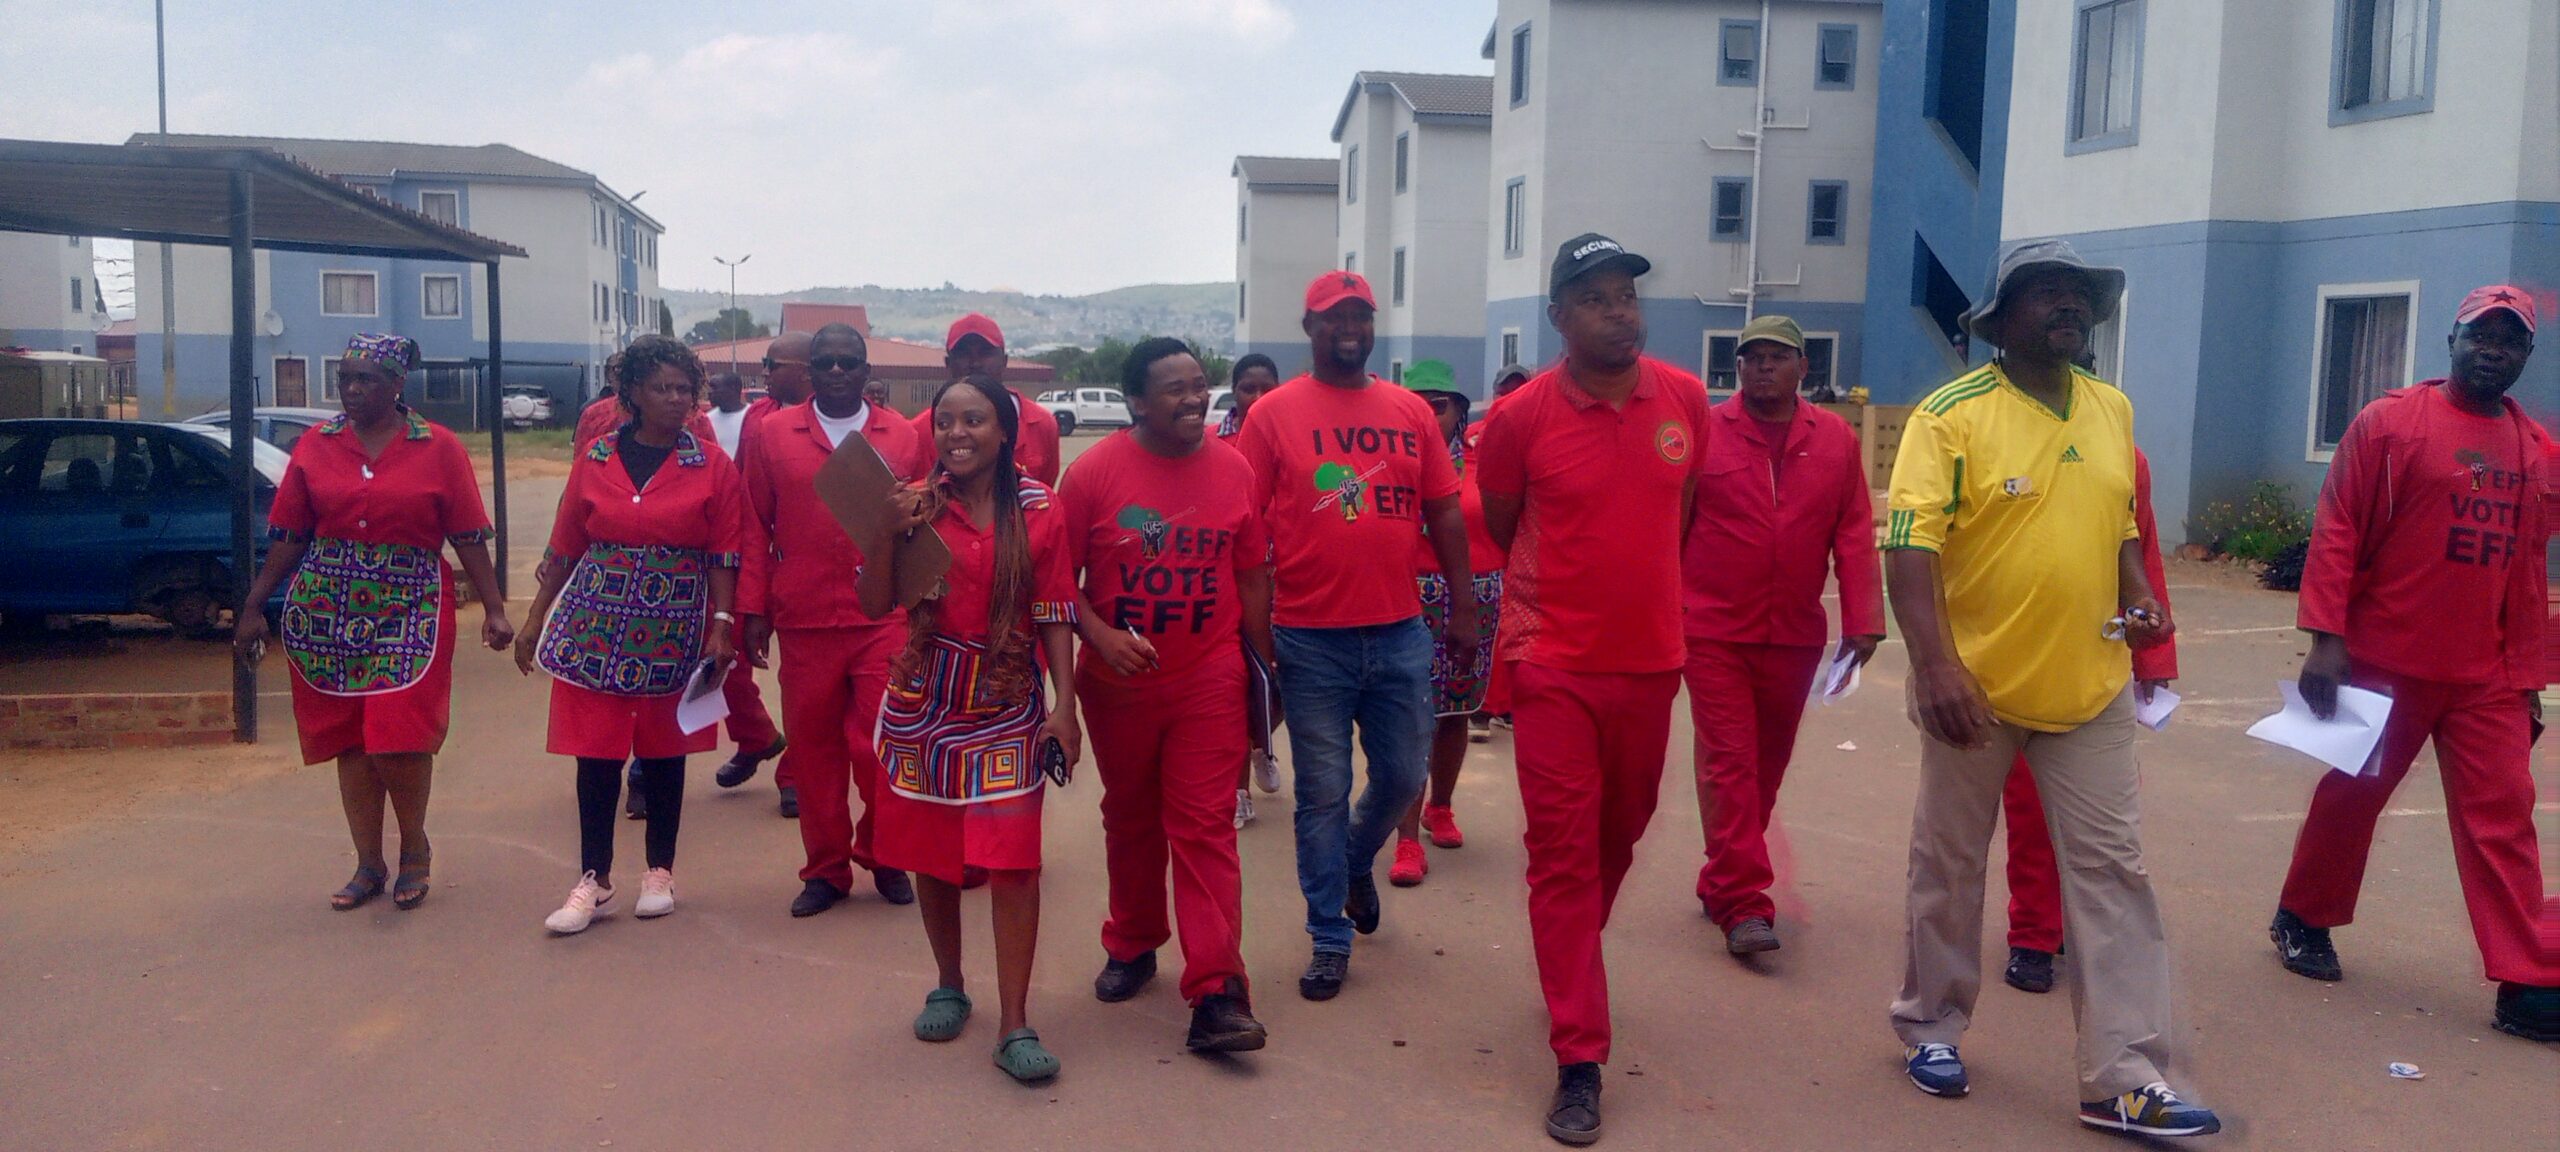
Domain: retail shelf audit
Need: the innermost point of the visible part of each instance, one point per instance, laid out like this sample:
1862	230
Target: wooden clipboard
855	484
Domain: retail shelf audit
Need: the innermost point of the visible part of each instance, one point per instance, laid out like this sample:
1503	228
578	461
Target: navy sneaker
1934	1069
2303	949
2152	1110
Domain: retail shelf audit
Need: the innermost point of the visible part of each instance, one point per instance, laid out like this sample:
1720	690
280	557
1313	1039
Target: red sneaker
1410	867
1441	825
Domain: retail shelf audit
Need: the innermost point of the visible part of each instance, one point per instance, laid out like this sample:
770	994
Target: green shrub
2260	527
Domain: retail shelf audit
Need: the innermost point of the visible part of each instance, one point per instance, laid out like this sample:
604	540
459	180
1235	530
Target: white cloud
1093	22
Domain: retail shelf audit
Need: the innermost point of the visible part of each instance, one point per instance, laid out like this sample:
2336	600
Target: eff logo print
1672	441
1150	525
1344	487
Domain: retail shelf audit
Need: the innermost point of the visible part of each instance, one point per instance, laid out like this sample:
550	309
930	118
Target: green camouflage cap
1775	328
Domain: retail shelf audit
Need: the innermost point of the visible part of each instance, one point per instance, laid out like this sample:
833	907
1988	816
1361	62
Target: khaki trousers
2117	961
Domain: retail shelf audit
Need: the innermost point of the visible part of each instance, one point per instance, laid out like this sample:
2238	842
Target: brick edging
115	720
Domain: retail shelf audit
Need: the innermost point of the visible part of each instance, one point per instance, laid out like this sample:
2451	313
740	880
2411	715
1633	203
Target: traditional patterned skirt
368	630
1457	690
620	641
964	784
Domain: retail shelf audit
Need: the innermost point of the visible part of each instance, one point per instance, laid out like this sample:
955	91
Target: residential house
1412	215
1284	236
49	297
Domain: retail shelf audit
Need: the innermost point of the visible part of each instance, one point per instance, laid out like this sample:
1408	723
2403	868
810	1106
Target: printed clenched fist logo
1150	525
1344	487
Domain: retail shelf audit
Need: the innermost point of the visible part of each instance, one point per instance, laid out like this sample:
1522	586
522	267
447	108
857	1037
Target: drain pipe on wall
1759	149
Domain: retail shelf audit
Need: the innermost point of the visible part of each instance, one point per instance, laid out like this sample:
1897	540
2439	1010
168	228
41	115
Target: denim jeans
1378	677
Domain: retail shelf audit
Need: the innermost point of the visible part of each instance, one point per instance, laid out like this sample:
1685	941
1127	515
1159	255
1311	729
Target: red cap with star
2483	301
1333	288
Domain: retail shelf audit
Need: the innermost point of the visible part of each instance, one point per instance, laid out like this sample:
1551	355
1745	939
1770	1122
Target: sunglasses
838	361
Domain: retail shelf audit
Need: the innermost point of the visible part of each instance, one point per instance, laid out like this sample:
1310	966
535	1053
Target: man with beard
2016	572
796	585
1347	469
975	347
1588	474
2425	582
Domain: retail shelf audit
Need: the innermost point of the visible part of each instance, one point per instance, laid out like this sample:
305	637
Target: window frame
1820	34
1510	345
454	193
2423	101
1404	161
1715	195
374	277
1725	60
1240	300
1840	212
1833	376
1243	233
1351	174
2377	289
423	278
1707	359
1523	49
2104	140
79	297
1515	217
1395	371
1351	262
1396	291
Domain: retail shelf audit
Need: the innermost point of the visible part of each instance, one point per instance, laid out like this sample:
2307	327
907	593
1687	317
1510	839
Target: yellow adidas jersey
2027	509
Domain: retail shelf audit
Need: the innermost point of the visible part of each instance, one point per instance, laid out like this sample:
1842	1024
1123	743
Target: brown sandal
359	891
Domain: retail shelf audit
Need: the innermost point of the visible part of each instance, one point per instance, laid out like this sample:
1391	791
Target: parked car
110	516
278	426
525	406
1221	402
1076	407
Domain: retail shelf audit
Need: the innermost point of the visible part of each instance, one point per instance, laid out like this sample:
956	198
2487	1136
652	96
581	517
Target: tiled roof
378	158
1297	171
1427	93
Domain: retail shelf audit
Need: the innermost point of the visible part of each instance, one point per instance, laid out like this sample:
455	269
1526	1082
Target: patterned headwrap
396	354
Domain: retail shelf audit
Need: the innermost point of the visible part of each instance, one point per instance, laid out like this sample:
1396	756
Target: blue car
113	517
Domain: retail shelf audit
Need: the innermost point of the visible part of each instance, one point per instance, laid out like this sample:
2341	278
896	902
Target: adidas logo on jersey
2071	454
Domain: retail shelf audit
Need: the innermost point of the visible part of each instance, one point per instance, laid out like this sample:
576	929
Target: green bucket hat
1433	376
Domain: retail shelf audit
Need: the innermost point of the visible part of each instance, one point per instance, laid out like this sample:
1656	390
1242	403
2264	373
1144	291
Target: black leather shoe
894	886
790	802
1574	1118
742	767
2529	1011
1361	905
1121	980
1223	1022
816	896
1325	973
2030	970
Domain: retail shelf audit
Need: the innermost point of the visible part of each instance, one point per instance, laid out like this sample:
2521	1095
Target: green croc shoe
946	1012
1022	1057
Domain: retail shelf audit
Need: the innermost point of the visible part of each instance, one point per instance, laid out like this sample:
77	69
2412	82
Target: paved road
172	978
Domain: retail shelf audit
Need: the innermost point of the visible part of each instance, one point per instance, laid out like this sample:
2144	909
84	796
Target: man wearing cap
1348	471
2017	577
1782	503
2425	582
794	586
1588	473
973	347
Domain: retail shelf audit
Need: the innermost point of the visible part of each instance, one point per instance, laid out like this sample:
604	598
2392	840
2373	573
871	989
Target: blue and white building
1285	228
588	284
1412	214
49	299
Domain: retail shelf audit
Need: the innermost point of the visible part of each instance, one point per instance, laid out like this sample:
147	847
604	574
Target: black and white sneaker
2303	949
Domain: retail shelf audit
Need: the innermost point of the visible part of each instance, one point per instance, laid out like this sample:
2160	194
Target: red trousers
832	679
2483	753
1167	755
1745	701
1588	750
2035	882
1497	688
750	726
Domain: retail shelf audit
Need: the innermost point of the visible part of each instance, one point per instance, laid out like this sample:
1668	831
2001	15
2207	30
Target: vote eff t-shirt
1160	542
1339	475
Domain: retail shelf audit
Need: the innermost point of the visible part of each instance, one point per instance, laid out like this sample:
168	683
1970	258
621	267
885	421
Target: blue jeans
1330	678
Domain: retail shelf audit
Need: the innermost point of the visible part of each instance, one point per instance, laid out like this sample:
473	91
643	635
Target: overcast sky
1045	145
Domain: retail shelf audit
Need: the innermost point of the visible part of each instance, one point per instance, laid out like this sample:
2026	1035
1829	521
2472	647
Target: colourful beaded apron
629	620
361	619
944	740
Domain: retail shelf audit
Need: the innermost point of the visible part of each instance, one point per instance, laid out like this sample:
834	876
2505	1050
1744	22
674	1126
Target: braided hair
1009	669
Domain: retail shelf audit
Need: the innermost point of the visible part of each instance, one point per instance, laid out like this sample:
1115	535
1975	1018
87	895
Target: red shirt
1161	543
800	564
2159	661
1339	475
420	492
967	588
1483	555
1594	582
605	413
2427	549
1035	450
694	500
1780	507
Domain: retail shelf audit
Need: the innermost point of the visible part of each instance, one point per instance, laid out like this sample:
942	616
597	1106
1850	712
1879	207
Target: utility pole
168	267
735	334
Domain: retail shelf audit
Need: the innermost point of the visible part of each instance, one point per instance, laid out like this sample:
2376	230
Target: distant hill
1202	312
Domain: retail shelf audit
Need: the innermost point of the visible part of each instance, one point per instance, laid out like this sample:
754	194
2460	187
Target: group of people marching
1371	562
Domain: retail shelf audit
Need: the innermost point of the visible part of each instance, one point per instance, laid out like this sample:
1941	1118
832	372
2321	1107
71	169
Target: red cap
974	324
2483	301
1333	288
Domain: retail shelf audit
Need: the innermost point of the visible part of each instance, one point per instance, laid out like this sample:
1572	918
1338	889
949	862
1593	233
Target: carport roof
183	196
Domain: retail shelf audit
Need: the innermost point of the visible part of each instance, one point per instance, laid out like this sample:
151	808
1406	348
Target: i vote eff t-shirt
1160	542
1340	475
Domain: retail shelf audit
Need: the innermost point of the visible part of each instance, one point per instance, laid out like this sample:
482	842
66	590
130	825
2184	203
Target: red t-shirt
967	587
1339	475
1161	543
1483	555
1594	581
1035	449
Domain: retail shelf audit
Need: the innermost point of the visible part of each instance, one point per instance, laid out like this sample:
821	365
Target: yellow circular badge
1672	441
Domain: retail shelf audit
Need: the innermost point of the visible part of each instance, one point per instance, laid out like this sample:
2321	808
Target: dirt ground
171	977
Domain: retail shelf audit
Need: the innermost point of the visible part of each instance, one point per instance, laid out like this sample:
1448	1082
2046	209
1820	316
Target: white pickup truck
1078	407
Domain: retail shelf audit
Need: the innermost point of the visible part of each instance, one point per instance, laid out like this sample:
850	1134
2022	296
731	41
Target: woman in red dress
360	524
964	733
636	595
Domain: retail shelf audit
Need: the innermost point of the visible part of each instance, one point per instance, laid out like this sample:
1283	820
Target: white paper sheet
703	703
1840	677
2345	743
2154	715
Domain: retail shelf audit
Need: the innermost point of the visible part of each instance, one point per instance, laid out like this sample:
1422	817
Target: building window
1724	364
1835	62
1818	354
1404	160
2106	345
75	241
1240	222
1826	213
440	297
600	234
1515	216
1510	347
1395	371
441	207
2106	75
79	302
1721	374
1519	65
2386	54
1740	49
2365	351
1733	209
1239	299
1351	262
1351	175
1958	53
348	294
1398	290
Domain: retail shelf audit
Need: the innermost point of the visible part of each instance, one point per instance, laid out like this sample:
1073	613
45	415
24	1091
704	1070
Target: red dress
628	626
368	619
964	786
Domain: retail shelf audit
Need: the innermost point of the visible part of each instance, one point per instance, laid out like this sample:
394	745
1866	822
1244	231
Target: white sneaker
586	902
657	894
1266	772
1244	807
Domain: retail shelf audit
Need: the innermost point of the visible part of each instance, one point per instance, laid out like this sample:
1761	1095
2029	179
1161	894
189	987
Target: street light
734	334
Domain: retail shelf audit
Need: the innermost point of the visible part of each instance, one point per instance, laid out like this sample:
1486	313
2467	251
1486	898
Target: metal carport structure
243	199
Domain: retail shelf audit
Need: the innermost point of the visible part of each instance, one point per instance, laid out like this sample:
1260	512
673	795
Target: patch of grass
522	444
